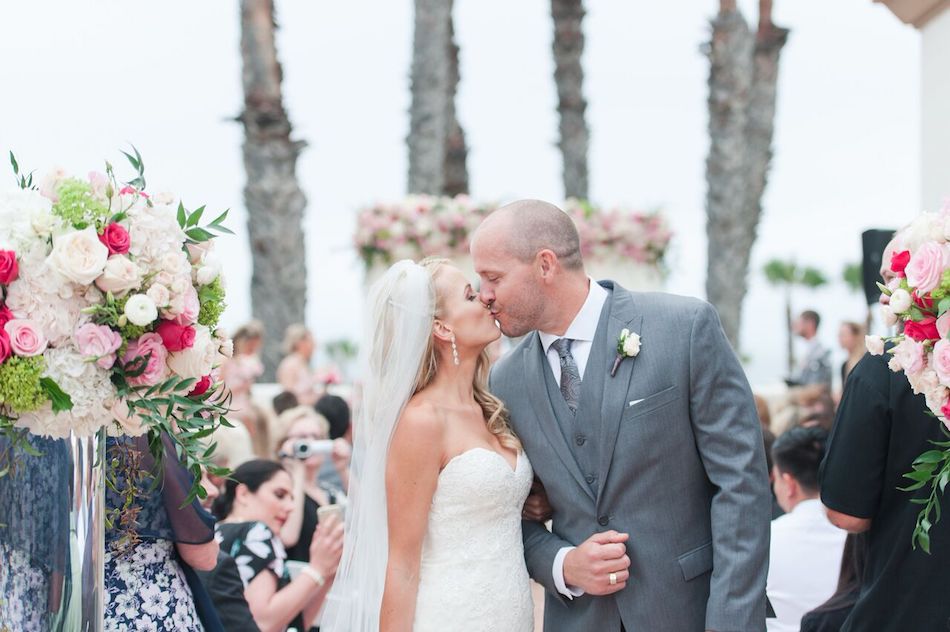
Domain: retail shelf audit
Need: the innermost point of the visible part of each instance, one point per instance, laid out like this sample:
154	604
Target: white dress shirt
581	330
804	564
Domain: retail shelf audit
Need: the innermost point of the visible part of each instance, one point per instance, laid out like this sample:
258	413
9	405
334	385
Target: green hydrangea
20	387
78	206
211	298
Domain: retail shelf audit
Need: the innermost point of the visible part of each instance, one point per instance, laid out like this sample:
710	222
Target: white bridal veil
400	322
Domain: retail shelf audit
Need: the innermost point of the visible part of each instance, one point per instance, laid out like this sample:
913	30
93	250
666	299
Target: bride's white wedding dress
473	575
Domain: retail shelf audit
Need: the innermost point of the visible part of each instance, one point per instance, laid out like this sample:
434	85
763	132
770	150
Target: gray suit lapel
535	365
623	315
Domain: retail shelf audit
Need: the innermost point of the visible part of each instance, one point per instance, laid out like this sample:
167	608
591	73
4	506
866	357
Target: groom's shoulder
668	305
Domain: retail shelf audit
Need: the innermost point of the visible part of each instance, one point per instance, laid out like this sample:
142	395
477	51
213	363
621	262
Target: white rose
51	182
197	252
198	360
140	310
225	344
126	424
888	315
894	364
875	345
631	345
159	295
208	272
119	276
900	301
79	256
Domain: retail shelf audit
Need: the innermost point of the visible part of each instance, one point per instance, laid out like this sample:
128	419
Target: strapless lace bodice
473	575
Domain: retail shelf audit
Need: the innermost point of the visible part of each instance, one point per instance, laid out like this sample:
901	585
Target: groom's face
509	288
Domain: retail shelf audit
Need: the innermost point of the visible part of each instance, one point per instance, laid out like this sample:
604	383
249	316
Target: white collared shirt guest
805	551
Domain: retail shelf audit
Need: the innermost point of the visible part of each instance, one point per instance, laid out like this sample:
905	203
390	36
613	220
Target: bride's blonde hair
493	409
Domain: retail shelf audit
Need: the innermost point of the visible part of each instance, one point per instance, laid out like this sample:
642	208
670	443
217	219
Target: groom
655	471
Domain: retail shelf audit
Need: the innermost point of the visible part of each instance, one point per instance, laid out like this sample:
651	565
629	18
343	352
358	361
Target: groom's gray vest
582	431
668	450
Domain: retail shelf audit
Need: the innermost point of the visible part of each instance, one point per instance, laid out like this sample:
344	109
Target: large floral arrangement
916	296
422	225
109	304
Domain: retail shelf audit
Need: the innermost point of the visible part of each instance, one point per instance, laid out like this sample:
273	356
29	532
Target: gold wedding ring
612	578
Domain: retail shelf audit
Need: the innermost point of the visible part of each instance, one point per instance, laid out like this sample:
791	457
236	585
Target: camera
306	448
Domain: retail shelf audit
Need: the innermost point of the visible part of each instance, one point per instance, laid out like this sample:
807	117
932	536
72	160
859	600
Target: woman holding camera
303	447
252	509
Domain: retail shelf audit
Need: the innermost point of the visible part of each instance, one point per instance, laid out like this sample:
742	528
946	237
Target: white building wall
935	111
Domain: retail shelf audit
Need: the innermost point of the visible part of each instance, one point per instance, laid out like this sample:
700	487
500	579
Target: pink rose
176	337
115	238
5	350
25	337
910	356
9	270
925	269
189	313
925	329
99	342
899	261
941	360
151	346
943	325
945	411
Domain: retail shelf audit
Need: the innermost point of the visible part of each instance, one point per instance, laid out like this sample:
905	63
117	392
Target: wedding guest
768	438
815	365
145	561
294	372
805	550
296	425
880	429
223	583
762	409
336	471
851	339
284	401
831	615
239	373
253	507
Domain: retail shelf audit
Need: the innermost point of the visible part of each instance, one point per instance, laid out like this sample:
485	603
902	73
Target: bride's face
471	322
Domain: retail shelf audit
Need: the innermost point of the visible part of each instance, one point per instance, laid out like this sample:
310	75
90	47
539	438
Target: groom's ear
547	262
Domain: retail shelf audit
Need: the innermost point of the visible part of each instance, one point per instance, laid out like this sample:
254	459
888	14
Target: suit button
590	479
580	439
603	521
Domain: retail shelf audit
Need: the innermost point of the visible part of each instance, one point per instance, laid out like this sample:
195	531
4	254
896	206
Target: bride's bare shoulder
421	420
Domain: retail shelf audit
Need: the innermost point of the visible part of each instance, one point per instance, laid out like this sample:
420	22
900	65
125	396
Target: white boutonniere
628	346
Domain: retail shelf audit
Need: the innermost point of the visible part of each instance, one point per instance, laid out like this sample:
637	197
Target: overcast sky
83	78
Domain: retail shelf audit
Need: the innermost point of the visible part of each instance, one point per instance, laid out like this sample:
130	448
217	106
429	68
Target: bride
433	538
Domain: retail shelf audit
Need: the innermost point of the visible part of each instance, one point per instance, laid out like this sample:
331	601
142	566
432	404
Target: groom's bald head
526	227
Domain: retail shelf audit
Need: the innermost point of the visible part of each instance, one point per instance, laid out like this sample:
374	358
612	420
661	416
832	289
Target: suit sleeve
540	545
729	440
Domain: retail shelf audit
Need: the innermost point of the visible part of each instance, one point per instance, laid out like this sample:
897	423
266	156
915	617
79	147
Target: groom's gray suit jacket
668	450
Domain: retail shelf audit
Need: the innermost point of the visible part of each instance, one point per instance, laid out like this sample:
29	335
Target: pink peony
99	342
192	306
26	340
910	356
148	345
926	266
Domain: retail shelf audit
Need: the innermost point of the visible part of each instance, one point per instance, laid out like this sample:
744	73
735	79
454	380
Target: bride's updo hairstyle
493	409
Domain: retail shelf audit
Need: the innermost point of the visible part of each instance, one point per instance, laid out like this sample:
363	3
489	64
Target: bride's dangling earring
455	352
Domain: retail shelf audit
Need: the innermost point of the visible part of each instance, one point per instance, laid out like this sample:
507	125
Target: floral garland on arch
422	225
109	304
916	296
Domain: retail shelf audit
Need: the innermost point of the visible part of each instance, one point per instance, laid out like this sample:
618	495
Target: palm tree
568	47
742	93
275	202
786	275
436	141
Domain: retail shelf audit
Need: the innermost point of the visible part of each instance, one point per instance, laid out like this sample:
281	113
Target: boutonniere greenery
628	346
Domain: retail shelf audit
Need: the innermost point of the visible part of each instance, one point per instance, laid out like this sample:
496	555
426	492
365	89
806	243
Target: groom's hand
589	566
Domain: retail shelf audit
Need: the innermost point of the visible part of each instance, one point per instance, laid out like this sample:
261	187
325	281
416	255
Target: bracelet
315	575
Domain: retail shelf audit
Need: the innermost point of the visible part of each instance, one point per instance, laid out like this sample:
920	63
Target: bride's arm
412	471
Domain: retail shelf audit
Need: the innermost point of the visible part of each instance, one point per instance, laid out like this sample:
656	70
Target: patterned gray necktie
570	376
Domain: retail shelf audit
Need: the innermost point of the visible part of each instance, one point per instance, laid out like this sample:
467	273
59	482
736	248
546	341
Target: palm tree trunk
569	78
730	77
790	346
456	153
432	113
275	203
